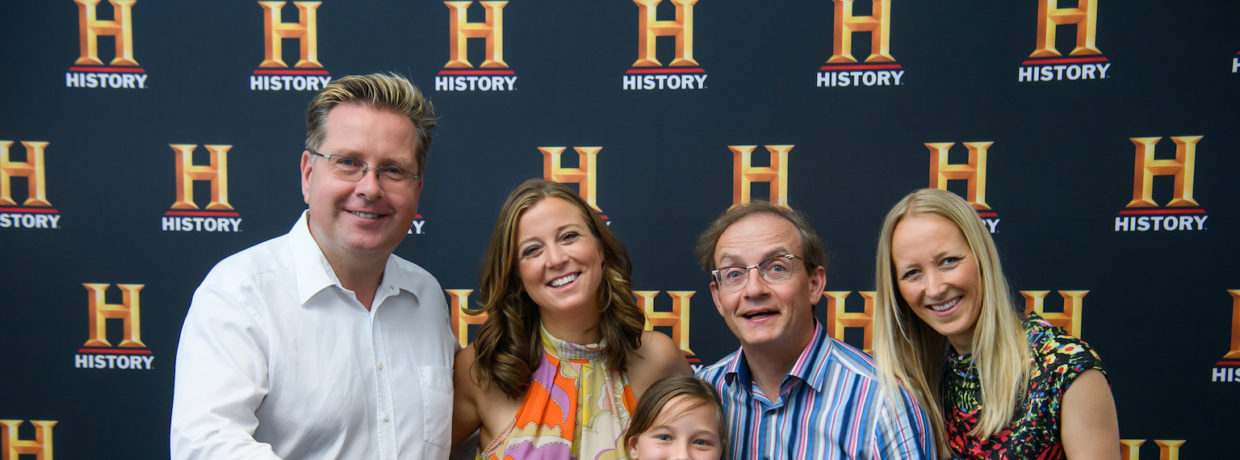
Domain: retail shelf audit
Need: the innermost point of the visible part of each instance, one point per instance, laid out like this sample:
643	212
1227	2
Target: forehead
356	129
920	234
678	407
758	235
548	215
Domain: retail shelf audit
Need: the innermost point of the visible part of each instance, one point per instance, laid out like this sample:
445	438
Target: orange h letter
120	28
40	447
744	174
305	30
1168	449
677	318
838	319
462	315
1146	167
459	30
649	27
878	24
101	311
215	171
1069	319
1050	16
583	175
32	169
974	171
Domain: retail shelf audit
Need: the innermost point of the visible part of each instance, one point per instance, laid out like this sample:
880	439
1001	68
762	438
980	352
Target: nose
368	186
680	451
556	255
755	284
935	286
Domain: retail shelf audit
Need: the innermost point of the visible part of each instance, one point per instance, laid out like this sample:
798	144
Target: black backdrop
1161	306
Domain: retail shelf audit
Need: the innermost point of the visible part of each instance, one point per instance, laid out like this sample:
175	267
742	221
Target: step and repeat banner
142	141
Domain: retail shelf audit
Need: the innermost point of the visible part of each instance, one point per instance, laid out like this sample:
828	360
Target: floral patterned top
575	408
1058	359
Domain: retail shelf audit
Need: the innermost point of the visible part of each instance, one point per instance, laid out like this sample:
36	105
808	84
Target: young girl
678	417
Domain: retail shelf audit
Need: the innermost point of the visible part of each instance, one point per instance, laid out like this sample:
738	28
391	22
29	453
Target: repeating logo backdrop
141	142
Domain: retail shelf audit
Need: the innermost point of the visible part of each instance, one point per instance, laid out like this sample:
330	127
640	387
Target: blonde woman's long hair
911	354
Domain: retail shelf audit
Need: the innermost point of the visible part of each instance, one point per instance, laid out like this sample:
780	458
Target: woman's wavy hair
911	354
507	345
656	398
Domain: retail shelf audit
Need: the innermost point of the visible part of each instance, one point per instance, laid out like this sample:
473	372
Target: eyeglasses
353	169
774	269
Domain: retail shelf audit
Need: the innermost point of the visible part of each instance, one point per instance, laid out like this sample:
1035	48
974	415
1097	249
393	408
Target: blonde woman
946	329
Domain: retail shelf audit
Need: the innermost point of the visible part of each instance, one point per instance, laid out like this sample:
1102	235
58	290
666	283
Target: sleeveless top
574	408
1057	360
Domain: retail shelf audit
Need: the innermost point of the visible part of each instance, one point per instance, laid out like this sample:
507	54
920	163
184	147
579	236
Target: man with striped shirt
792	392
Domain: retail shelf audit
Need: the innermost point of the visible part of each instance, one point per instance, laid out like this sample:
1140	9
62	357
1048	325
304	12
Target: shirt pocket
436	383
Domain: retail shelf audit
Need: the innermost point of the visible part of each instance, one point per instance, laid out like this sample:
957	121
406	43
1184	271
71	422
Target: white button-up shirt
277	359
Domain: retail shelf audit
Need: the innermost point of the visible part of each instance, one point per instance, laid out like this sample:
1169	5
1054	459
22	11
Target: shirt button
379	365
385	418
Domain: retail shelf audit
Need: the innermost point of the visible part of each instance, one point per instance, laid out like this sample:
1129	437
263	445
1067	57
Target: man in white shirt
320	343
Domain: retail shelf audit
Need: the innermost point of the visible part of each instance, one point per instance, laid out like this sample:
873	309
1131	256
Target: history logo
1182	212
34	211
1228	368
98	352
1084	62
185	215
273	74
879	68
88	71
648	73
458	73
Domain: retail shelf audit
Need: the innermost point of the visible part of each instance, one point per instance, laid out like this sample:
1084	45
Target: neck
769	369
962	346
577	329
361	277
769	364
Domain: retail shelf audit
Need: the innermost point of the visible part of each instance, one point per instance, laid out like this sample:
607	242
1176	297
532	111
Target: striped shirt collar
811	367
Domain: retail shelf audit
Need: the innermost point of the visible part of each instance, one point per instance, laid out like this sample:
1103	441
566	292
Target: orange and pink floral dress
575	408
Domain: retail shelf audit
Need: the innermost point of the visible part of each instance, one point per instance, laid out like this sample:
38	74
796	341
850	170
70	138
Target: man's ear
714	294
817	282
306	167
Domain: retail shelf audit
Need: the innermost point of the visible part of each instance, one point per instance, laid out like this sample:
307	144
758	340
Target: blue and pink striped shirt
830	406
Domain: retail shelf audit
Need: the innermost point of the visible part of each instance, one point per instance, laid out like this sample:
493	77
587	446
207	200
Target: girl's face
680	434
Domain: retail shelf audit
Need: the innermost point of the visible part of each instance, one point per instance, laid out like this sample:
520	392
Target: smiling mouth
563	280
364	215
757	314
945	305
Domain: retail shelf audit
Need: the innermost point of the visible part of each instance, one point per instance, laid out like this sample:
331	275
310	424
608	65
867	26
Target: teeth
945	306
562	281
365	215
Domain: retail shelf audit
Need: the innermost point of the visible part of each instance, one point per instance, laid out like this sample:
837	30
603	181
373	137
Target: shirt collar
314	272
810	367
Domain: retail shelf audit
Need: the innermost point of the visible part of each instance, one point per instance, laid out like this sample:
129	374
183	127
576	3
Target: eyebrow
557	232
779	250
